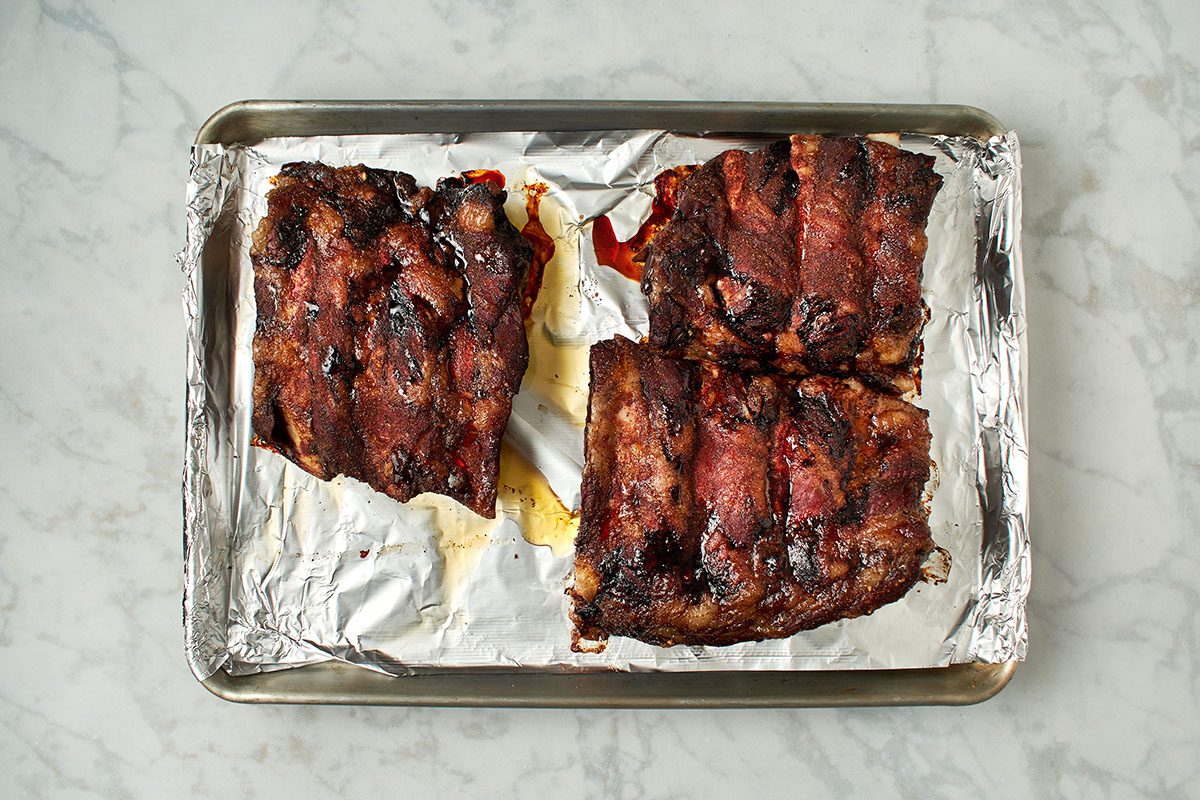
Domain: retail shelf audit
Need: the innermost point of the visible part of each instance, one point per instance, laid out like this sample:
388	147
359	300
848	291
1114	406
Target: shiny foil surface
282	569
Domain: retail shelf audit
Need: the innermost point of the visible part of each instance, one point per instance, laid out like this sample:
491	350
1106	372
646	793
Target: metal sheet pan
249	121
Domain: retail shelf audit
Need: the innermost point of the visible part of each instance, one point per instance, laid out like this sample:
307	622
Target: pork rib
389	339
721	507
803	257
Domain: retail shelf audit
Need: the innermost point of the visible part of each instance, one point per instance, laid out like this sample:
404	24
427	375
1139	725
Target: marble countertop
98	105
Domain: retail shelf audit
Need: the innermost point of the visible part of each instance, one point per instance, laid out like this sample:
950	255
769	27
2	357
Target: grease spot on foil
524	496
558	344
527	498
557	371
461	536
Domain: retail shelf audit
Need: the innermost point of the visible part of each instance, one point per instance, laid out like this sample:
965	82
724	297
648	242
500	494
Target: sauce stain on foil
484	175
626	257
543	245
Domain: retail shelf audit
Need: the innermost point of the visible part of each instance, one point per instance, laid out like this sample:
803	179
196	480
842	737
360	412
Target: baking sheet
284	569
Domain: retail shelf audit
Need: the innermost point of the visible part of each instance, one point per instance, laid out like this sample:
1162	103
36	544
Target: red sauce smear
543	245
484	176
626	257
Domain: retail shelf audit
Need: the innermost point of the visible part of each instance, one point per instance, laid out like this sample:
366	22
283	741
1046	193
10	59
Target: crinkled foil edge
998	619
212	178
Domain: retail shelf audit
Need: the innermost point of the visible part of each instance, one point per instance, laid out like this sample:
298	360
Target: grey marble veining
98	104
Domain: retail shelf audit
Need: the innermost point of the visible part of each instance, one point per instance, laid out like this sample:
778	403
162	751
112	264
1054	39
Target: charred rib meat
803	257
389	340
721	507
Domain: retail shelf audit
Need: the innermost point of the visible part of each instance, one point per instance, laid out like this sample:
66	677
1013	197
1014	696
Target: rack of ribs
802	257
389	339
722	506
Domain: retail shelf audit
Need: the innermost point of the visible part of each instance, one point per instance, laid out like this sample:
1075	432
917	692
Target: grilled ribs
803	257
389	339
721	506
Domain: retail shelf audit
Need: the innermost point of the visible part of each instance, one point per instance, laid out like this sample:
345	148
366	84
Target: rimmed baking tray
252	120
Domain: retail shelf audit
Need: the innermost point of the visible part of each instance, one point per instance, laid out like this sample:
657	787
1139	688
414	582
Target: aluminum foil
283	569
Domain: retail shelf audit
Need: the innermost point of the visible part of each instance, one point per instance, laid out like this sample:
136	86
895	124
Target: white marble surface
98	104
